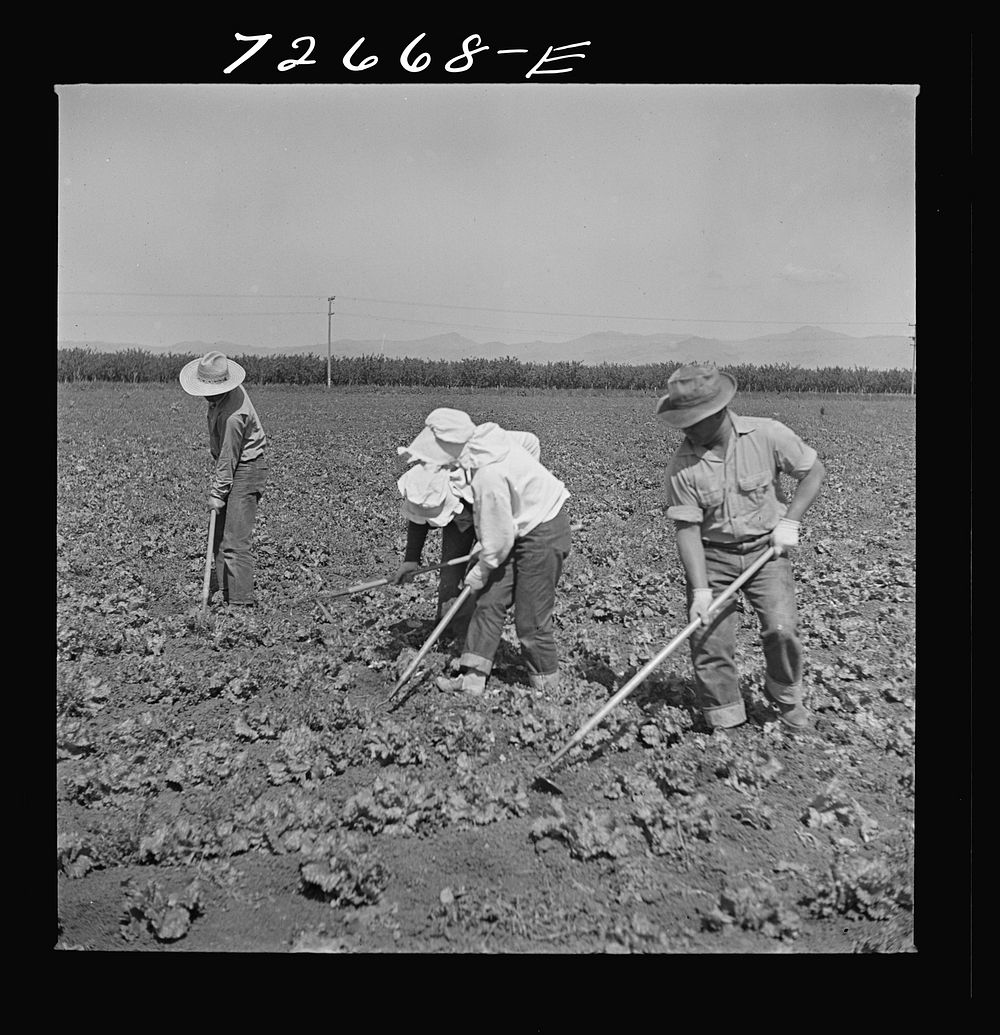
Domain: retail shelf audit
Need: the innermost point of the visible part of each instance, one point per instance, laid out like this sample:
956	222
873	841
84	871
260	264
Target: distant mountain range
804	347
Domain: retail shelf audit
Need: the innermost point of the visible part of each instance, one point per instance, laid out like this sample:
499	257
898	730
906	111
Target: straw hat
213	374
695	392
444	436
428	497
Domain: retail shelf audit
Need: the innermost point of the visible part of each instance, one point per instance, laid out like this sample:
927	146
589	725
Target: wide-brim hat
213	374
426	449
428	496
436	516
695	392
444	436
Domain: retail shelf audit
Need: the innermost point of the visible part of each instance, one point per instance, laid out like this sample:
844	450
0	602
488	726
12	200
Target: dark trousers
455	542
527	578
233	572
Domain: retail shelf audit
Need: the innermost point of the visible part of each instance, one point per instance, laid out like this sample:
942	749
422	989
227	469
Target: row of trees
137	365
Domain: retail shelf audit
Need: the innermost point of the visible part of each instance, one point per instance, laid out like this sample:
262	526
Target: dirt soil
238	780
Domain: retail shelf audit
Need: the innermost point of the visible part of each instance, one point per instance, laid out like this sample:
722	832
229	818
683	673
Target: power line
146	312
493	309
168	294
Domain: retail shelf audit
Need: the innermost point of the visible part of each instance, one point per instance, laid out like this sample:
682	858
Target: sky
502	212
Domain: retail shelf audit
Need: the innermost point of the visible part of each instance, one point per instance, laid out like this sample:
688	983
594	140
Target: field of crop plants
138	366
236	782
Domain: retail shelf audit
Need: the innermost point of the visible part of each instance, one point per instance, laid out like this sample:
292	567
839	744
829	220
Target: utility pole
913	365
329	316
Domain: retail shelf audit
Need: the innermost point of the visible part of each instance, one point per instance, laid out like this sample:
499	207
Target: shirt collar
741	425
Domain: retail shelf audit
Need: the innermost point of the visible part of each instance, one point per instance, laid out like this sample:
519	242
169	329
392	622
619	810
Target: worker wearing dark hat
728	506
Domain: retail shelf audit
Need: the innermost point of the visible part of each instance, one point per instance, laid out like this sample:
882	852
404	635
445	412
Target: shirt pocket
754	486
709	494
757	501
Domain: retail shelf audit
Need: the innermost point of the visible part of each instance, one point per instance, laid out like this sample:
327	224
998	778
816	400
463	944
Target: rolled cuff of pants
725	715
782	694
476	663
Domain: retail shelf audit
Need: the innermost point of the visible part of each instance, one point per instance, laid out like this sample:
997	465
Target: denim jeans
528	578
456	541
771	592
233	572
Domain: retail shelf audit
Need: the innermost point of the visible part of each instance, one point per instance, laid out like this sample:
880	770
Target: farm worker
237	443
726	500
435	497
523	531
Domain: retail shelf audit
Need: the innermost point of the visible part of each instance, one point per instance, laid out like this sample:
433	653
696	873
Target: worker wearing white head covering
437	496
524	534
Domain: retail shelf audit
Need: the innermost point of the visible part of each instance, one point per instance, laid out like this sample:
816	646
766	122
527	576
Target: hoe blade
541	782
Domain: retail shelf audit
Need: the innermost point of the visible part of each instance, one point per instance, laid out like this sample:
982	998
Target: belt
741	546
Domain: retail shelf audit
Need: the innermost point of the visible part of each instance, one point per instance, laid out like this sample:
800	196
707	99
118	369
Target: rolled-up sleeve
791	454
494	518
682	504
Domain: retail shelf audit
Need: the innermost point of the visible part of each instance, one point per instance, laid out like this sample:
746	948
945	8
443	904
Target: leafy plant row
137	365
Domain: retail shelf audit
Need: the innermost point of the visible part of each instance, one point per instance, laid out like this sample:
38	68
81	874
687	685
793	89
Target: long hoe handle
208	561
375	583
654	662
431	640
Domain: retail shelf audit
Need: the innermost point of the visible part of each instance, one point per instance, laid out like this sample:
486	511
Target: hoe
431	640
539	778
208	562
440	627
375	583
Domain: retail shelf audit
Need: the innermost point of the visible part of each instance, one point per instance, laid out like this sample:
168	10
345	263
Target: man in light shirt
728	506
524	536
237	443
436	497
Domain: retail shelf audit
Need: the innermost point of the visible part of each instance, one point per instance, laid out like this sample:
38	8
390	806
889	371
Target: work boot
730	733
546	681
795	718
788	702
473	683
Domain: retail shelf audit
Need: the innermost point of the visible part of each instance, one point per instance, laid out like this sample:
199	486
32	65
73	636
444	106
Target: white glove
476	579
785	536
700	604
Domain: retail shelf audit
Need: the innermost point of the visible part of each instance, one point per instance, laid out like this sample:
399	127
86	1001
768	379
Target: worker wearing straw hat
237	443
524	535
435	497
728	506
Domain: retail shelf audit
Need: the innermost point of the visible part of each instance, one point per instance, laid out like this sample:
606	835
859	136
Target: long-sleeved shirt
512	492
737	496
416	533
235	436
461	485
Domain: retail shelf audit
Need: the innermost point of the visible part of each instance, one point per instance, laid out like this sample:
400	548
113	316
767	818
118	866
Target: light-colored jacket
512	493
